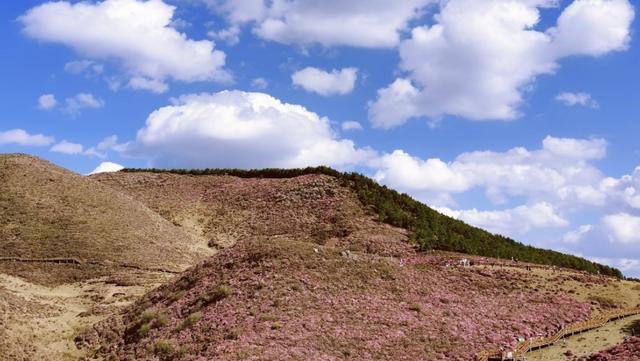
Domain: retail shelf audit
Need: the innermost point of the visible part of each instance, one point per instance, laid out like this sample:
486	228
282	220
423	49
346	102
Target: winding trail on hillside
60	260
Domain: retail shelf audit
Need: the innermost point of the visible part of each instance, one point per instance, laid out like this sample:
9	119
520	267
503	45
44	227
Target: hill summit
50	213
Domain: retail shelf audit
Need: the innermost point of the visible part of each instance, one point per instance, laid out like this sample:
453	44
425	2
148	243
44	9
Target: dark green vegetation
429	228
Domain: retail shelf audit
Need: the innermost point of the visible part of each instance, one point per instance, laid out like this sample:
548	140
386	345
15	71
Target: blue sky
517	116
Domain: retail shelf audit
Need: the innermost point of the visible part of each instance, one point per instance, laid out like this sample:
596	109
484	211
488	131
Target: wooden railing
575	328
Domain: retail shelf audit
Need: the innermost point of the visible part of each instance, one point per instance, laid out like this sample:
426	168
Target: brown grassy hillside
225	209
49	212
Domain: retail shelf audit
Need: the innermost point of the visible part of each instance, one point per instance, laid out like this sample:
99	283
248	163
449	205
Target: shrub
191	320
144	329
148	316
415	307
163	348
216	295
604	302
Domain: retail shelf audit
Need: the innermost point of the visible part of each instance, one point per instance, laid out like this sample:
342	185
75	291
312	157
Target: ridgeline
428	228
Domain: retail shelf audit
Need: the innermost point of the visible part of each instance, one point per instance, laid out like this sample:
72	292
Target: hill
281	299
427	228
226	209
312	264
49	213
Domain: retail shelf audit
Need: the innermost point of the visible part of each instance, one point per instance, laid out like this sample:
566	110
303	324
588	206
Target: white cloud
241	129
626	265
559	171
66	147
136	34
75	104
624	191
21	137
47	101
107	144
575	236
326	83
623	227
518	220
572	99
230	35
351	125
152	85
479	57
107	167
260	83
593	27
87	67
361	23
402	171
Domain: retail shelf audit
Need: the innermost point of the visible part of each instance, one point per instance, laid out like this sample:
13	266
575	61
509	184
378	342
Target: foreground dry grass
40	322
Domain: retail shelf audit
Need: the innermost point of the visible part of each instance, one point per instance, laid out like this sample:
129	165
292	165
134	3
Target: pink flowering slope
277	299
629	350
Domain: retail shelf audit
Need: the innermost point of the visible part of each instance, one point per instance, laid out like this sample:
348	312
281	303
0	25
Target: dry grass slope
226	209
49	212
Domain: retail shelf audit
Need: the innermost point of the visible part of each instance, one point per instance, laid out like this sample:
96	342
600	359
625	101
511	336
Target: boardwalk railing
533	344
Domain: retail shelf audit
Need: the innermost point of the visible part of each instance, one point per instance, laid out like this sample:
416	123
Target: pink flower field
288	300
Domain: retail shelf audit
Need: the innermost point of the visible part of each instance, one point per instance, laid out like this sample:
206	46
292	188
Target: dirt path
585	343
40	323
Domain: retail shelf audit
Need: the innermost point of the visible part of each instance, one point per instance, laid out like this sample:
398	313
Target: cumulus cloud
623	192
403	171
21	137
479	57
138	35
560	171
47	101
518	220
623	227
66	147
75	104
573	99
241	129
326	83
361	23
351	125
107	167
593	27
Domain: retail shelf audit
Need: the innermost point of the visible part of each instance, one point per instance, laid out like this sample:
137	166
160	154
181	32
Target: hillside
281	299
47	212
226	209
311	264
427	228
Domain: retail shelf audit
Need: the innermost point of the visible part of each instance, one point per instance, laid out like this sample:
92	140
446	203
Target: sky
517	116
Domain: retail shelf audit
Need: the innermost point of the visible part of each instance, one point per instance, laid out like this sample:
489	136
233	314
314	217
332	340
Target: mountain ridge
428	228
